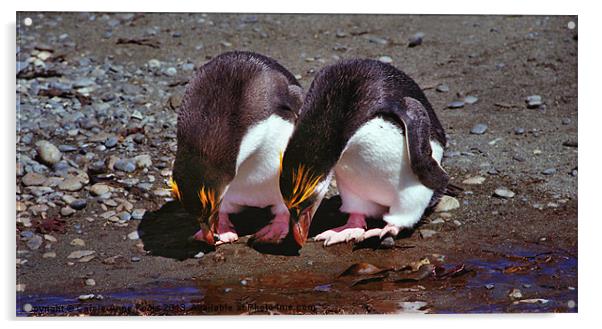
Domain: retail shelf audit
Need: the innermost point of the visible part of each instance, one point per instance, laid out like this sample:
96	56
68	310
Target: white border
589	120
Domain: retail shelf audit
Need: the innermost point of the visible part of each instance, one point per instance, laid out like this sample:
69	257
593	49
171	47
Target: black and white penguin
236	118
371	126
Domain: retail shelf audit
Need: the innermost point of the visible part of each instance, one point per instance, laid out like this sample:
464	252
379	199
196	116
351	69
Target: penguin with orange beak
236	118
371	126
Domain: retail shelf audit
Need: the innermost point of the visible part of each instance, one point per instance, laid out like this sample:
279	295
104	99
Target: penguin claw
331	237
227	237
273	233
381	233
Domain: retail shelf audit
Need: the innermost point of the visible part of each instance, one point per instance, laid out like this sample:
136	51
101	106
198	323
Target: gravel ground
97	100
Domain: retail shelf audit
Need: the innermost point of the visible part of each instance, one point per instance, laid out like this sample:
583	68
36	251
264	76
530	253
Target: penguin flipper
418	140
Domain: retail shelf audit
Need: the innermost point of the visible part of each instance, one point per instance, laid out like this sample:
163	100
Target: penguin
235	120
371	127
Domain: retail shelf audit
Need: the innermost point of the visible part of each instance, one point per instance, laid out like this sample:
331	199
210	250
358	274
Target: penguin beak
301	225
206	233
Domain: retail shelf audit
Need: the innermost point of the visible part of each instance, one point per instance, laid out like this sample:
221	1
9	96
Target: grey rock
416	39
199	255
442	88
138	214
447	203
90	282
534	101
81	253
135	259
489	286
470	99
387	243
425	234
385	59
504	193
78	204
143	161
478	129
35	242
49	154
99	189
125	165
171	71
111	141
455	105
519	158
124	216
33	179
133	235
519	131
549	171
71	184
566	121
570	143
67	211
67	148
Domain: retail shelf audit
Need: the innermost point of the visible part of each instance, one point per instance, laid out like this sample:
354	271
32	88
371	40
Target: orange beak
206	233
301	226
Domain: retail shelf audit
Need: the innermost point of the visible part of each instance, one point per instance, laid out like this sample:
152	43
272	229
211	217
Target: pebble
125	165
447	203
534	101
133	235
78	204
476	180
71	184
124	216
50	254
490	286
549	171
81	253
504	193
33	179
35	242
171	71
49	154
519	131
143	161
478	129
385	59
570	143
135	259
416	39
470	99
199	255
154	64
90	282
515	294
138	214
86	297
425	234
442	88
99	189
455	105
387	243
111	142
77	242
67	211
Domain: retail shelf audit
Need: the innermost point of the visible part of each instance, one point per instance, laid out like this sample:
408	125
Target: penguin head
200	192
302	188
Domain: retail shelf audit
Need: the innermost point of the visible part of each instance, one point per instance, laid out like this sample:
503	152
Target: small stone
566	121
470	99
50	238
50	254
549	171
154	64
570	143
457	222
476	180
133	235
71	184
111	141
385	59
143	161
455	105
35	242
416	39
135	259
504	193
425	234
77	242
478	129
33	179
519	158
138	214
67	211
489	286
162	192
244	282
124	216
86	297
387	243
90	282
86	259
171	71
519	131
413	307
447	203
78	204
534	101
442	88
537	152
226	44
99	189
515	294
48	153
81	253
125	165
199	255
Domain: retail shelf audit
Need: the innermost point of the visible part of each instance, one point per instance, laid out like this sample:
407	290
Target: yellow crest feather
304	184
175	191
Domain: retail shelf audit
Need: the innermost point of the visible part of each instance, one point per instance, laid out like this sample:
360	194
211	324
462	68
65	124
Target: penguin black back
226	97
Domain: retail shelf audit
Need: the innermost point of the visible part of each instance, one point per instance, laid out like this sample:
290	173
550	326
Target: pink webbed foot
274	232
225	230
352	231
388	230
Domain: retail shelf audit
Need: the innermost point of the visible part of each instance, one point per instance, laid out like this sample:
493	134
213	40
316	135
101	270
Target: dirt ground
492	254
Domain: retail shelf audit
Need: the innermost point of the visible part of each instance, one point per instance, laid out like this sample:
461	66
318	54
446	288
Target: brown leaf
362	269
